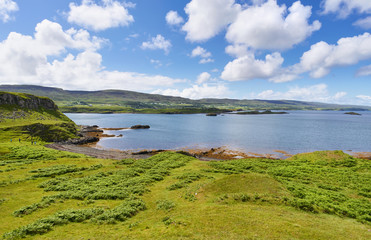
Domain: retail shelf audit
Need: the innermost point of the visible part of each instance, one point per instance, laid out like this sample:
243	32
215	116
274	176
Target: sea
295	132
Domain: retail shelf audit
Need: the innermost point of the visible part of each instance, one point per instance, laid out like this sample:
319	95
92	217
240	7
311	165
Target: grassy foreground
48	194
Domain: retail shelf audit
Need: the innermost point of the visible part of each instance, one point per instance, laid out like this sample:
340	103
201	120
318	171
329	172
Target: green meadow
49	194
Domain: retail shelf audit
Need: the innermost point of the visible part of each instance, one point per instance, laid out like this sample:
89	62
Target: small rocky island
353	113
258	112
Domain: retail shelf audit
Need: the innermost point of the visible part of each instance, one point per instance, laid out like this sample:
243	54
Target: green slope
108	101
31	118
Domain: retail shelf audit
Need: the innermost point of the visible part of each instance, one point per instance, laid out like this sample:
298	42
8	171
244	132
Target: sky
242	49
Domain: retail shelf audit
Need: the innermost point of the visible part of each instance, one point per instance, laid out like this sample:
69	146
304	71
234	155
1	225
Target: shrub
165	205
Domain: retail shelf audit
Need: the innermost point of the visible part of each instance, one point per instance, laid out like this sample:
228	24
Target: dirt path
93	152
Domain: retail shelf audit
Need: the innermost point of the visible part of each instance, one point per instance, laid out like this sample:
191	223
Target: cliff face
27	101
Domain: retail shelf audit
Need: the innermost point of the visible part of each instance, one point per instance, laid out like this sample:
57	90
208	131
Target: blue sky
246	49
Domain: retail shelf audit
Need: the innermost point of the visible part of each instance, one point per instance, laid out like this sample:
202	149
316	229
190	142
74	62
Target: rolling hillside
108	101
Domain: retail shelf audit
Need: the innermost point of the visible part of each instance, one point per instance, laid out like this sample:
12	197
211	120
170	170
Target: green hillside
32	118
108	101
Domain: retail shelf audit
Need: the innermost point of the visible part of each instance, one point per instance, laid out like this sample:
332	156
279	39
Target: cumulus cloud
237	50
198	91
173	18
96	17
206	60
200	52
268	26
364	23
203	53
344	7
22	54
6	8
323	56
315	93
85	71
158	42
248	67
25	60
207	18
203	77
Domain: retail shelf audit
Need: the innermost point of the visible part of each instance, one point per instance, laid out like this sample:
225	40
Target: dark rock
140	127
148	152
211	114
81	141
353	113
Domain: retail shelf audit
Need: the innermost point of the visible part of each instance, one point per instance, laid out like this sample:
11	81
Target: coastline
204	154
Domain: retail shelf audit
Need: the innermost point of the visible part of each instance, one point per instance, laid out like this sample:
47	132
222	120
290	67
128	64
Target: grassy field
48	194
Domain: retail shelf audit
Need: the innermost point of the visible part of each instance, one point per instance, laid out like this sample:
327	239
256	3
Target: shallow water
299	131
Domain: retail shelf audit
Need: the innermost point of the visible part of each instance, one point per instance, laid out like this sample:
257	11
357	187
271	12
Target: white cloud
203	53
365	98
173	18
364	71
100	17
268	26
206	60
6	7
238	50
207	18
247	67
20	54
25	60
323	56
158	42
315	93
344	7
200	52
364	23
85	71
198	91
203	77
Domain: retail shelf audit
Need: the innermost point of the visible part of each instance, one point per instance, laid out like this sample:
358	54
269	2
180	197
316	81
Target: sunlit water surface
298	131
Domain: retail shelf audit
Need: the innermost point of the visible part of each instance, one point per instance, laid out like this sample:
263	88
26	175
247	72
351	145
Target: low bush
165	205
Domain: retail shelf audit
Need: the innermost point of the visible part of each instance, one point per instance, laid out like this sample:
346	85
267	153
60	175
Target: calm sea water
299	131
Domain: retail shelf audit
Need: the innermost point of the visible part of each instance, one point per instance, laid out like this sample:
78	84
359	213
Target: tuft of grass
165	205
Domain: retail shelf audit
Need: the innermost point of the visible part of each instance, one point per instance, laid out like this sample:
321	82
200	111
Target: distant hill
109	101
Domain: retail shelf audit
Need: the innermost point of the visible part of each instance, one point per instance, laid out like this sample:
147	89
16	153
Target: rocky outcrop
27	101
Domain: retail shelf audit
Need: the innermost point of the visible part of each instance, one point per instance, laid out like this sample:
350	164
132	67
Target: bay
298	131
